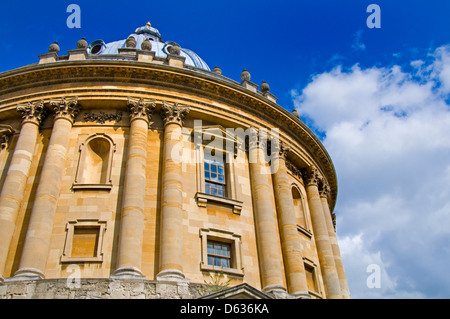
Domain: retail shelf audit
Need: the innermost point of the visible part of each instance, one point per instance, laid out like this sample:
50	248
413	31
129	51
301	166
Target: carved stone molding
293	169
33	111
102	117
65	108
173	113
312	176
141	109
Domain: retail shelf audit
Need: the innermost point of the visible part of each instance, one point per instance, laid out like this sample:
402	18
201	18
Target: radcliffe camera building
130	169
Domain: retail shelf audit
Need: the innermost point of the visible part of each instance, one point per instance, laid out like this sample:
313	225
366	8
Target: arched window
299	208
95	162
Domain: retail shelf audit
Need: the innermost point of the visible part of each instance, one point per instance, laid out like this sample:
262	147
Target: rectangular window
215	178
219	254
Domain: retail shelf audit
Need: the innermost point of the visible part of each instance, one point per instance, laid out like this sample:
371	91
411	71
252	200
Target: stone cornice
89	72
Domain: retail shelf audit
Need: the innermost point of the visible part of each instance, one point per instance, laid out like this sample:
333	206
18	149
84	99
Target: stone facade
101	170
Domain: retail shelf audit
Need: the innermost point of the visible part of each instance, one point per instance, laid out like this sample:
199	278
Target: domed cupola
141	34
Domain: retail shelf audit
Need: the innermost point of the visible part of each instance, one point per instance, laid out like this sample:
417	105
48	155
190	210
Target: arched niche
95	163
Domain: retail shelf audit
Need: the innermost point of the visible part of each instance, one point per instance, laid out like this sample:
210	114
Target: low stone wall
107	288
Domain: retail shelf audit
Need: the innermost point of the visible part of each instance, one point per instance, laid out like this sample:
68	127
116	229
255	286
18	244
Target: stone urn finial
174	49
217	70
146	45
295	113
245	75
264	87
130	42
82	44
54	47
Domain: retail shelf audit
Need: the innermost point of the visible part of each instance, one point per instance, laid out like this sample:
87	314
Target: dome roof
99	47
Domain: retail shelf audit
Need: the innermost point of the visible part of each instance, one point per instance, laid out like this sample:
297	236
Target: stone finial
54	47
245	75
174	49
295	113
264	87
82	44
65	108
173	113
140	108
33	111
146	45
130	42
217	70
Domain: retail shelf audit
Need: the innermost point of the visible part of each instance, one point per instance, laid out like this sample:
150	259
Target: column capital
65	108
34	112
173	113
283	150
325	191
312	176
141	108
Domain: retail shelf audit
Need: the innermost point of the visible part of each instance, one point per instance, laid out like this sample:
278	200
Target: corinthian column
171	253
11	197
290	240
132	217
265	217
326	257
37	241
345	291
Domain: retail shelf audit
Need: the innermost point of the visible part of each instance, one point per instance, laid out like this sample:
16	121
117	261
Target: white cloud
388	133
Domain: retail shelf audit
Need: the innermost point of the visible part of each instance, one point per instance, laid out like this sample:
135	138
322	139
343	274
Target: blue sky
378	99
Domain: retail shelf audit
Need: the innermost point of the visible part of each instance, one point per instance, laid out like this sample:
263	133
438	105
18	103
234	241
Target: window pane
210	248
213	191
225	250
217	249
226	263
220	170
213	168
221	193
207	176
221	179
216	261
210	261
206	167
213	176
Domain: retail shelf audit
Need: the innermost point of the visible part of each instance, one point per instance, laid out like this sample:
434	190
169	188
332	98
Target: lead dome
161	48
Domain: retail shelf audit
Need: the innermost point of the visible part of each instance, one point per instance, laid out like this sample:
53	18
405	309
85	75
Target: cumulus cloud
388	133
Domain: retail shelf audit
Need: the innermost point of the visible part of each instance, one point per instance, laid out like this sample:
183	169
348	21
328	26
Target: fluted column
290	239
326	257
132	217
171	226
11	197
265	217
345	291
37	241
